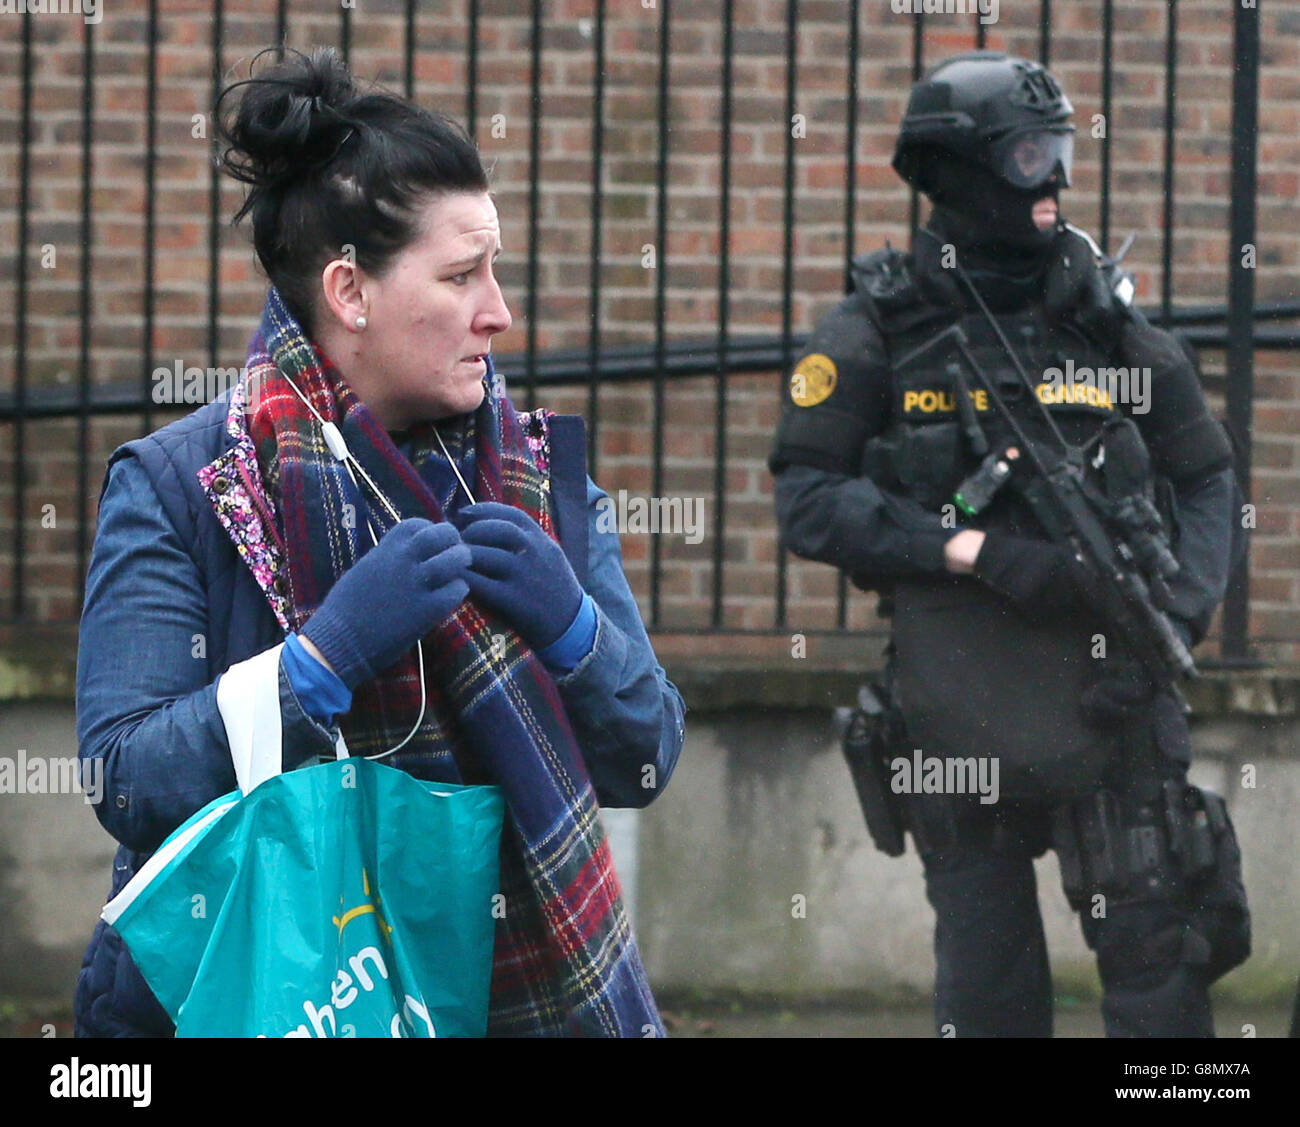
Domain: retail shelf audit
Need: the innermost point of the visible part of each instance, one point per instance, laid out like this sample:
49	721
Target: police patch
813	380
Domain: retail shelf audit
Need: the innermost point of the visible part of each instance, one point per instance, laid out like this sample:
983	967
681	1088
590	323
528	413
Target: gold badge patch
813	380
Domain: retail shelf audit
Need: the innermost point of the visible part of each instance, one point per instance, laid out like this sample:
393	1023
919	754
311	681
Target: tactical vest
975	677
927	450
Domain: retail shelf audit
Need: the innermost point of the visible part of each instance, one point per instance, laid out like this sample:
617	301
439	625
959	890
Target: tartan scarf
565	960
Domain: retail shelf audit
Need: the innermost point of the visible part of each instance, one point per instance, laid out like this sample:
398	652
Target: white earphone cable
339	448
454	468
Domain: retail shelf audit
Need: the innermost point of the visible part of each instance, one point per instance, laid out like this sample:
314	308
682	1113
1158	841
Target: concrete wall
760	811
55	862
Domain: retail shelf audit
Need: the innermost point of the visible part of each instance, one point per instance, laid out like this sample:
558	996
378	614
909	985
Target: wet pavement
722	1020
1075	1021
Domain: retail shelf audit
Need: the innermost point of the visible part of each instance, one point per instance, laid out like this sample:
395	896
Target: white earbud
334	440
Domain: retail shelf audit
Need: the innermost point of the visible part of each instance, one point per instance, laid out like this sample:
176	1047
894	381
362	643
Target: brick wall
689	260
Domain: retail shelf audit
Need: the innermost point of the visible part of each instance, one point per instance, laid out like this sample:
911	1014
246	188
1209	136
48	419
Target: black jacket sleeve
1184	439
1191	450
828	507
1205	516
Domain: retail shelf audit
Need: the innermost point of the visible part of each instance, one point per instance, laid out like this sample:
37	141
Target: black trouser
993	977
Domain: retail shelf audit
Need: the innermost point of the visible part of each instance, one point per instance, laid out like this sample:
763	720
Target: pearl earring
360	323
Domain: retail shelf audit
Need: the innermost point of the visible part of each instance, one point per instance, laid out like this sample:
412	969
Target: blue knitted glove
519	572
390	598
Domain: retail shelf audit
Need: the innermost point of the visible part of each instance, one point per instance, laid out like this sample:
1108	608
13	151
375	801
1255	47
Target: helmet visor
1028	159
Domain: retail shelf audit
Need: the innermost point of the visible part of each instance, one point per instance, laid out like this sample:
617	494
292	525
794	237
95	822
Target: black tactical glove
1123	687
1039	577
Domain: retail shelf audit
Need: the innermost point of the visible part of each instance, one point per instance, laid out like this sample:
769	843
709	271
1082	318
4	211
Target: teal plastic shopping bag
347	899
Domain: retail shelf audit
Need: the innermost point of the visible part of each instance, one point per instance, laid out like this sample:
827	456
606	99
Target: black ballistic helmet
999	111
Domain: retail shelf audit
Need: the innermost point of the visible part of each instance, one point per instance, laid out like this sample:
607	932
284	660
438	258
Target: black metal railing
1238	328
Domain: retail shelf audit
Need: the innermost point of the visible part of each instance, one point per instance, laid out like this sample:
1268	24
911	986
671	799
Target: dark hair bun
332	164
291	118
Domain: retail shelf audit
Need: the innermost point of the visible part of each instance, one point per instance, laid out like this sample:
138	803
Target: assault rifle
1115	534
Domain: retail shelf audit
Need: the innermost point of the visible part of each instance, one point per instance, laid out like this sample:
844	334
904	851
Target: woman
420	562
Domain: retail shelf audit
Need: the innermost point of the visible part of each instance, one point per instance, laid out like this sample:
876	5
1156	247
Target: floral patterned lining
538	436
228	482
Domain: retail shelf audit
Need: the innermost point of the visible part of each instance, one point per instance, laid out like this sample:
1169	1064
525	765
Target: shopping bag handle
248	698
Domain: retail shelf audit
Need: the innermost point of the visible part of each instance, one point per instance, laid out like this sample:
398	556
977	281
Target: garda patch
813	380
1077	395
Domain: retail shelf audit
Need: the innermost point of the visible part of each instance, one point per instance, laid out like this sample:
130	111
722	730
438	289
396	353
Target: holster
873	736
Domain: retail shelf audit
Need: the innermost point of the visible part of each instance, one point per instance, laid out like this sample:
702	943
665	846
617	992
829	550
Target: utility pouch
1181	849
1223	905
1193	830
1207	851
872	737
1089	840
928	462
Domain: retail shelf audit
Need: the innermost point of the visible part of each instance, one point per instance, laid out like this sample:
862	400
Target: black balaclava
991	224
992	213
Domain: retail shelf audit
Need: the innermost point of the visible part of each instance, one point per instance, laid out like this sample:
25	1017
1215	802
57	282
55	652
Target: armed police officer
988	433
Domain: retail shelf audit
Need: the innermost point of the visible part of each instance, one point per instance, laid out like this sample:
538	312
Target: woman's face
430	318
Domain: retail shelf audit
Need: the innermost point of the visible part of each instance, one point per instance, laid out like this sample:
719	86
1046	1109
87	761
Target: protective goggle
1027	159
